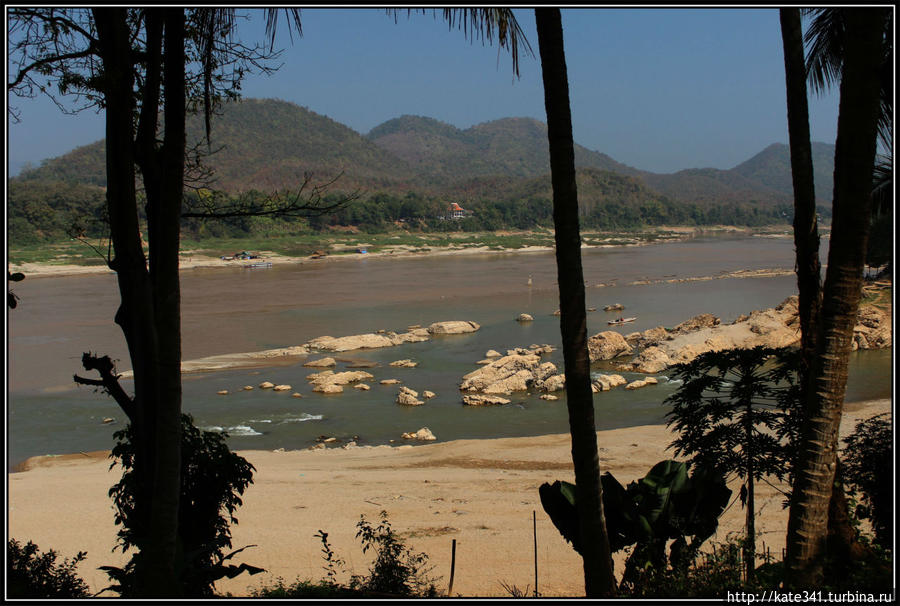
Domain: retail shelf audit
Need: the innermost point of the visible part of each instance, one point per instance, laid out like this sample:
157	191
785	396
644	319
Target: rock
362	387
428	394
525	318
652	336
318	377
636	384
296	395
281	388
549	397
652	360
492	353
423	434
553	383
696	323
483	400
390	381
408	397
349	343
248	387
350	444
342	378
330	440
222	392
321	363
607	382
318	446
108	420
614	307
266	385
404	364
453	327
607	345
502	375
328	388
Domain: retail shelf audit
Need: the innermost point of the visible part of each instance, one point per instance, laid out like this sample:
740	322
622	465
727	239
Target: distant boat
259	264
621	321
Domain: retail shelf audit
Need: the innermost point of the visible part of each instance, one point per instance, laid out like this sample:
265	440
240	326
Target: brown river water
233	309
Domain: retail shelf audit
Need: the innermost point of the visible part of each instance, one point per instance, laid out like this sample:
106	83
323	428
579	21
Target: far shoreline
189	260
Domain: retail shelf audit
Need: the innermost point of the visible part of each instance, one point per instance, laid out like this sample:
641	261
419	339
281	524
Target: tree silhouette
598	574
733	413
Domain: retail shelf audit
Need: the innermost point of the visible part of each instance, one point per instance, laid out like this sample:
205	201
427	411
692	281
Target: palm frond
484	23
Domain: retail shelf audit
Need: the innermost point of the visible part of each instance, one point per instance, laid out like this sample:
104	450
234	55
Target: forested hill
499	168
267	144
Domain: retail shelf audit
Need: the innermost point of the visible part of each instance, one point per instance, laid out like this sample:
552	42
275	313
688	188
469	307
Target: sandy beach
480	492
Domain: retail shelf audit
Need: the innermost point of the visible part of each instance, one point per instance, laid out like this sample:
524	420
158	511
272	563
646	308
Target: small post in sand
452	568
534	523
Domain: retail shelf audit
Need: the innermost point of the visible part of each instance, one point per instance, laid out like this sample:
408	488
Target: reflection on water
234	310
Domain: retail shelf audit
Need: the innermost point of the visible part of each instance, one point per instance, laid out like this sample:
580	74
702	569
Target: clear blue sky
659	89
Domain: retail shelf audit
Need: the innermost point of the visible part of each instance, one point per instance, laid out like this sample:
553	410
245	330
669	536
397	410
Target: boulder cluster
659	348
521	369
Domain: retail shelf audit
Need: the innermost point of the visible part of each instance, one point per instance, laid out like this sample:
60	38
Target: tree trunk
806	243
854	160
806	234
135	314
149	313
598	573
165	212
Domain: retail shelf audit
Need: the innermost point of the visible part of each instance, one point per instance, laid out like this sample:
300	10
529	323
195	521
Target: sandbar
482	493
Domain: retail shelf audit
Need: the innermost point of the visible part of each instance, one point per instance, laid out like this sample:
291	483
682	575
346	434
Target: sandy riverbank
480	492
190	260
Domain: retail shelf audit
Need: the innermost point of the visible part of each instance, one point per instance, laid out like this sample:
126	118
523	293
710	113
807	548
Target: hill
268	145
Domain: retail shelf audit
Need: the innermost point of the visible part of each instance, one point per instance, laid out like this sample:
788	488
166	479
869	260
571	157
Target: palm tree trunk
806	242
598	574
854	160
806	234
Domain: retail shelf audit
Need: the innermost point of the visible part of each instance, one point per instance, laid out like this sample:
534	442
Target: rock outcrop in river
776	327
520	370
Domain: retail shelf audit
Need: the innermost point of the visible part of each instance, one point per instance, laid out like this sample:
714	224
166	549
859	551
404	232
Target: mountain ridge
270	144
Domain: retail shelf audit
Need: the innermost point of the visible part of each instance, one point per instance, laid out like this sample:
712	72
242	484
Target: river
233	309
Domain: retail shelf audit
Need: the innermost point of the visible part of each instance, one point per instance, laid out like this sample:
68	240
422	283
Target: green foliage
663	505
212	480
12	300
396	569
32	574
868	460
733	411
711	575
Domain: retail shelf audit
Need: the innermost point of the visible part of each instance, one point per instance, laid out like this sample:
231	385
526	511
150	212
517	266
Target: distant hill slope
768	167
512	147
269	144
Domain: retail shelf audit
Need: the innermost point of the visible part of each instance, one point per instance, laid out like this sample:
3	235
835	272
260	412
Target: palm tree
860	105
806	234
598	573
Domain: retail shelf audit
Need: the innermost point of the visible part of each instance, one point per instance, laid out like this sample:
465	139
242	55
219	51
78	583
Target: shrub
396	568
31	574
212	480
868	466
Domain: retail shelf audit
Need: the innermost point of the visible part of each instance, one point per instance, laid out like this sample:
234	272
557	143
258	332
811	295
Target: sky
660	89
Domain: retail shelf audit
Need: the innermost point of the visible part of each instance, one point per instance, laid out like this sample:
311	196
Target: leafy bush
396	571
31	574
212	480
396	568
868	461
